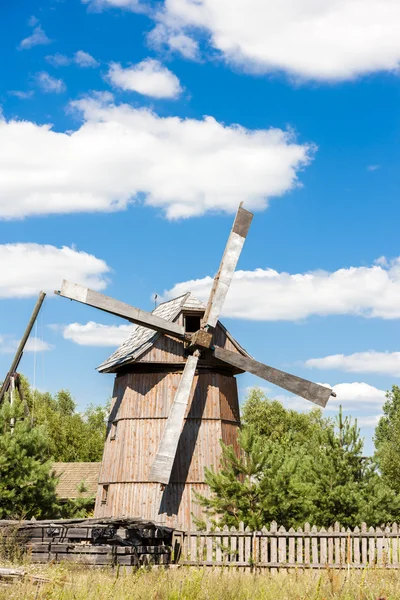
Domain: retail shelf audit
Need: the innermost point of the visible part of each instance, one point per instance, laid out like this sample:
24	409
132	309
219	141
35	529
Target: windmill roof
141	338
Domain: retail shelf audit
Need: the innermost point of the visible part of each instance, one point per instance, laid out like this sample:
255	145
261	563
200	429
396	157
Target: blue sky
163	118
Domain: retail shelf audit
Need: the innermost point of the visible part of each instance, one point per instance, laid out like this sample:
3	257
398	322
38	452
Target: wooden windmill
175	397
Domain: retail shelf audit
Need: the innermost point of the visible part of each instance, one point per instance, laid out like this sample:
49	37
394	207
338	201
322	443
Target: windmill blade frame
162	466
223	278
297	385
79	293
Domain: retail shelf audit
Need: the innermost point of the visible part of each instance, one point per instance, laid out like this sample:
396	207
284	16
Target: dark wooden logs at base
128	542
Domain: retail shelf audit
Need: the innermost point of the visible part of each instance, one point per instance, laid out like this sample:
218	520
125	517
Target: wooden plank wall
305	548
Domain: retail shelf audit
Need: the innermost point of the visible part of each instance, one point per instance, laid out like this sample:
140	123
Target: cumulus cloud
97	5
95	334
33	267
179	42
84	59
8	345
384	363
21	94
37	38
325	41
81	58
186	167
357	396
148	77
49	84
268	295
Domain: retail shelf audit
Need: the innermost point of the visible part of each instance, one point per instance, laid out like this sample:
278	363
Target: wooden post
395	546
364	545
307	544
12	394
274	542
324	557
299	556
356	546
21	346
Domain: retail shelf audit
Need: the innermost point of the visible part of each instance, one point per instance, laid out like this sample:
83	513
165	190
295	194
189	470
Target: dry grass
77	583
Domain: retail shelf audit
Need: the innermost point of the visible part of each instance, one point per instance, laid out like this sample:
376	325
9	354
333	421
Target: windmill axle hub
201	339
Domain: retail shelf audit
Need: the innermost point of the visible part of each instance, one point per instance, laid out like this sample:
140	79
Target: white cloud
21	95
8	345
267	295
373	167
33	267
179	42
95	334
80	58
187	167
84	59
37	38
357	396
49	84
385	363
369	421
148	77
58	60
311	39
133	5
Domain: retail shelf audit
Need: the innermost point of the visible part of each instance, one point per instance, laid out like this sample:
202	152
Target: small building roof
142	338
71	475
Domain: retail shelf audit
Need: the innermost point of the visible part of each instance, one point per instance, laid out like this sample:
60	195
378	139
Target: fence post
233	550
323	545
307	544
274	542
356	546
299	556
364	545
395	545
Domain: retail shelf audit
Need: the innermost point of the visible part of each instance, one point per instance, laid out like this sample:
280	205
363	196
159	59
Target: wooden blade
21	346
301	387
77	292
227	267
164	460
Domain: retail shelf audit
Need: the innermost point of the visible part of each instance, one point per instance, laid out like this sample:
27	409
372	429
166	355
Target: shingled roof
142	338
71	476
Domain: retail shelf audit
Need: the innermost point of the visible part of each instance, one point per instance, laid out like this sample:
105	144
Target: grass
77	583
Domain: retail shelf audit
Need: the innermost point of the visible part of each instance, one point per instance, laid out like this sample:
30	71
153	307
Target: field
77	583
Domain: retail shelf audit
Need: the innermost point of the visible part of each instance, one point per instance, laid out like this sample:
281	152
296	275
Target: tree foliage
297	467
387	440
27	486
54	431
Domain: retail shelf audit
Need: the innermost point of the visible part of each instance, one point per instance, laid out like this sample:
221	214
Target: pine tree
27	485
387	440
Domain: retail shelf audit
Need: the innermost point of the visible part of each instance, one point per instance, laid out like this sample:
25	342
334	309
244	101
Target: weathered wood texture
276	548
297	385
77	292
140	408
130	542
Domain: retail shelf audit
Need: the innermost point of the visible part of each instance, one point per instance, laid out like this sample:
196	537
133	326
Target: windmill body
175	397
148	369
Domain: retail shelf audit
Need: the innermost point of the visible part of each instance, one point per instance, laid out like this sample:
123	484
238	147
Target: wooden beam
227	267
301	387
20	349
77	292
164	460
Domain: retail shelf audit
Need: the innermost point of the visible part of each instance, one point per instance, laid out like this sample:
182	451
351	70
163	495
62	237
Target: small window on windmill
113	432
192	323
104	494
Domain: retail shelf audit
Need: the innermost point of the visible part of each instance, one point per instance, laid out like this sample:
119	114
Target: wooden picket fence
276	548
